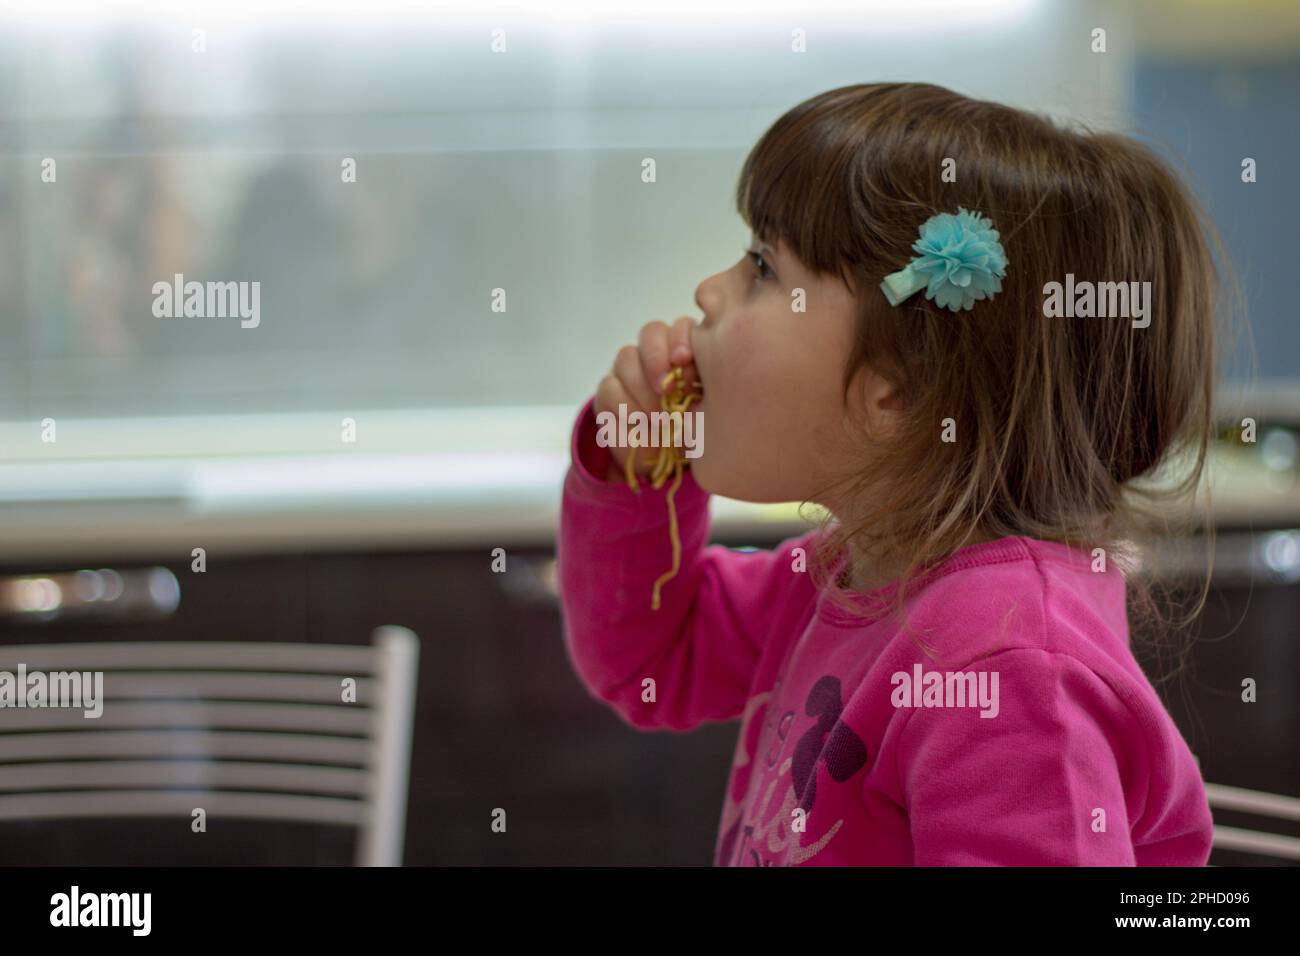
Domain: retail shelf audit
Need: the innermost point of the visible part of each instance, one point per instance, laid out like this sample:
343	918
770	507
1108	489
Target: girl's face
772	378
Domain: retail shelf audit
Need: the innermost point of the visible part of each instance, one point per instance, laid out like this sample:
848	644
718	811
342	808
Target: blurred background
379	169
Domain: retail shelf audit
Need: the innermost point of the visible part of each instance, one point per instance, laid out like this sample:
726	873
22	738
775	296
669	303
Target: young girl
939	674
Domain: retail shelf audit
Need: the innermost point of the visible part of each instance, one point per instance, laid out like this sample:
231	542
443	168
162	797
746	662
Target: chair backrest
1257	803
273	731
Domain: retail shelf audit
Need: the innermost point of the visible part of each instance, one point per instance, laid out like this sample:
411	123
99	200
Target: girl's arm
701	647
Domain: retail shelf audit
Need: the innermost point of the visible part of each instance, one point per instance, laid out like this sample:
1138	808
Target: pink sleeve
1023	788
702	645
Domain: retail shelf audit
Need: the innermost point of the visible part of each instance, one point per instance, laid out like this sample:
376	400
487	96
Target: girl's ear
891	399
884	407
880	393
884	403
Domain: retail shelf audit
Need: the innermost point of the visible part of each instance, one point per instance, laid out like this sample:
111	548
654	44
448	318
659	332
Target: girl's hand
636	381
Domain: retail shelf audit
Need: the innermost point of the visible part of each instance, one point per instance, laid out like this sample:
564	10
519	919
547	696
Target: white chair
1257	803
240	729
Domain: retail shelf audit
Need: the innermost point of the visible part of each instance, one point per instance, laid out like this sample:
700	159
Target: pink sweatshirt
1028	737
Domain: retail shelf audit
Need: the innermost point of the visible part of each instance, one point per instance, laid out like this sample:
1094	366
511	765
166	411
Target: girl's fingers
611	393
679	341
629	370
608	390
637	378
653	340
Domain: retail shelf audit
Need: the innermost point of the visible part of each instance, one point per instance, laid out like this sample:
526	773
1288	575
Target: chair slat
1252	801
135	685
335	718
232	745
1253	841
181	804
204	774
167	655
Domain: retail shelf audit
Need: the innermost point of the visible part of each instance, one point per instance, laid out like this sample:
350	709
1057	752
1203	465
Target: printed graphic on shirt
752	836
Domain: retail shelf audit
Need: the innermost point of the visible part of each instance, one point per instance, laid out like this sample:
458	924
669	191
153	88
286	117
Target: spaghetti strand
672	460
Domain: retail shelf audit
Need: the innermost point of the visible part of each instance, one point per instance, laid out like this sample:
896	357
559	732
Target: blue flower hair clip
960	261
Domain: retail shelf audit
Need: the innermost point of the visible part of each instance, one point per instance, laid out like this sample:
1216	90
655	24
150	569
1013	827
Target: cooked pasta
672	458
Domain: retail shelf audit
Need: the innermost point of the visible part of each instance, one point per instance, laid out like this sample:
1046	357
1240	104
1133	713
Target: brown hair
1058	420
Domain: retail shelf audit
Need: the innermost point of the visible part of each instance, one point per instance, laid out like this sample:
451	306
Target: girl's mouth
696	385
688	381
681	387
696	388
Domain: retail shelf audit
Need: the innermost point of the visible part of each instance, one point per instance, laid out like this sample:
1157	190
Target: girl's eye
764	270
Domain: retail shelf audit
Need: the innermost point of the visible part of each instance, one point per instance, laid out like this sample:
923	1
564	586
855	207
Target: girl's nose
708	299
